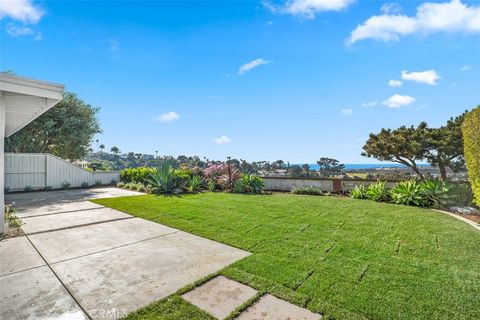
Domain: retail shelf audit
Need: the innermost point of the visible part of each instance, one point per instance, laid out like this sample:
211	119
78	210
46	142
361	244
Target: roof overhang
26	99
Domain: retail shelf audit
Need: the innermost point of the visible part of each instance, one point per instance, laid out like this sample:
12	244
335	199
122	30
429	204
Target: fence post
46	170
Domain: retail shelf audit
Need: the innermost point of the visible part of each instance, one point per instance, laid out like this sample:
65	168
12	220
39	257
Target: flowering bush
213	171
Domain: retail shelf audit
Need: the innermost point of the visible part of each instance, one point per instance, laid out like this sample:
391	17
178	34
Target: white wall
287	184
326	185
39	170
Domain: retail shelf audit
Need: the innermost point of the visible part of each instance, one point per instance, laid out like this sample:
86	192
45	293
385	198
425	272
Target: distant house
82	164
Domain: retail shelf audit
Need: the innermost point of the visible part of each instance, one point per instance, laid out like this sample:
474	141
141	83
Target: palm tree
102	147
115	150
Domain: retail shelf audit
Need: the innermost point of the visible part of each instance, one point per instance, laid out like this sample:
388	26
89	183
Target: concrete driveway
80	260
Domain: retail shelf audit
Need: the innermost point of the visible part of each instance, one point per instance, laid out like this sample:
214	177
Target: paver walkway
80	260
221	296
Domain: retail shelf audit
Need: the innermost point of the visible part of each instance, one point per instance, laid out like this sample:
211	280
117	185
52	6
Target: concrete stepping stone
220	296
272	308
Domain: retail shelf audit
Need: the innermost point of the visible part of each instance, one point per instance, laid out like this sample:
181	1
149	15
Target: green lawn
337	256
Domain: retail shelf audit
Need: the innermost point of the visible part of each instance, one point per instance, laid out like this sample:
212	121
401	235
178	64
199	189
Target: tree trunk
443	171
411	165
415	169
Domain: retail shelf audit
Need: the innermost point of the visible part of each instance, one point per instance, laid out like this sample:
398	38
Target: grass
344	258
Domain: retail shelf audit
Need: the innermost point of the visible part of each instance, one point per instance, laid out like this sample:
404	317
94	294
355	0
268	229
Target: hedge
135	174
471	138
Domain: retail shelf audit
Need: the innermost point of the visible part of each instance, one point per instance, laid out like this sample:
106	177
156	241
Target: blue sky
168	76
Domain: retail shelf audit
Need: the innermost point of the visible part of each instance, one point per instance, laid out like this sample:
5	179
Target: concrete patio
80	260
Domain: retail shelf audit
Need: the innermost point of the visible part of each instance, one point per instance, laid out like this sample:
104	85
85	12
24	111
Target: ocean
356	166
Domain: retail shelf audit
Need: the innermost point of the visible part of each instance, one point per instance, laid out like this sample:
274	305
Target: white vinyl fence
42	170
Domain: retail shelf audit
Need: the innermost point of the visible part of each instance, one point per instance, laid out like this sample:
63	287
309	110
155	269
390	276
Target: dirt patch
13	233
473	217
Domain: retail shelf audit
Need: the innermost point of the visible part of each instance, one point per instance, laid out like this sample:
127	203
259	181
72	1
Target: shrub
213	171
10	218
140	187
471	140
28	189
97	183
239	187
250	183
211	185
313	191
435	193
229	177
149	189
408	193
113	182
163	179
378	191
195	183
120	184
6	190
131	185
135	174
65	185
48	188
460	194
84	185
359	192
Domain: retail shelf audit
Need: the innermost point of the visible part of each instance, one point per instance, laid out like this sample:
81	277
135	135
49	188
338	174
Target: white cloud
222	140
453	16
308	8
16	31
397	101
20	10
466	68
394	83
252	64
167	117
21	31
347	112
391	8
428	77
370	104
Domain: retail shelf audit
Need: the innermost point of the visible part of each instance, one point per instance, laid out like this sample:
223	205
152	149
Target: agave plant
359	192
211	185
409	193
252	183
195	183
163	179
435	192
229	177
378	191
